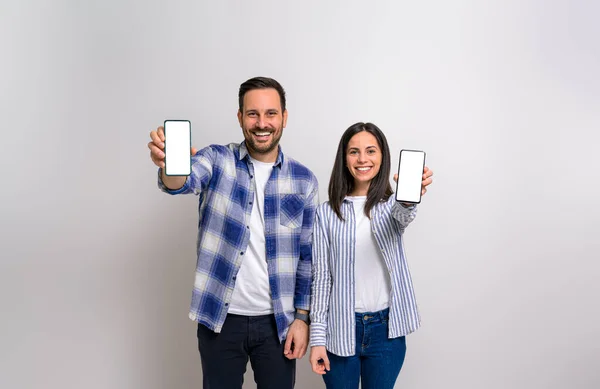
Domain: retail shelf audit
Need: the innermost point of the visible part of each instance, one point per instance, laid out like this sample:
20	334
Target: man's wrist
302	315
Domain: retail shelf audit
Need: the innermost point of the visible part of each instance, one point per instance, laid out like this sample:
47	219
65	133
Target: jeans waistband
372	316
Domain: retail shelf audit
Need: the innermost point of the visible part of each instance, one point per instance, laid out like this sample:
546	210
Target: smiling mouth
364	169
262	135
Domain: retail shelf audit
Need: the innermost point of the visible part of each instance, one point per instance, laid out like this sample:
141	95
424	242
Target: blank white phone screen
177	148
410	175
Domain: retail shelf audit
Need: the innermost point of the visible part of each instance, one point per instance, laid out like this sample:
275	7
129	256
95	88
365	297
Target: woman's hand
318	359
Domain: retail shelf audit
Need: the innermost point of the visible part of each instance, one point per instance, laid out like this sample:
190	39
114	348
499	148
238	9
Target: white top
372	278
252	295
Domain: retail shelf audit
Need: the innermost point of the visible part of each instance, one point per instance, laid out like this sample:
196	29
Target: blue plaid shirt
223	178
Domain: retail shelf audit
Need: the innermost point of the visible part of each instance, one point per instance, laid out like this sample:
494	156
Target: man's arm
304	269
297	337
201	167
157	154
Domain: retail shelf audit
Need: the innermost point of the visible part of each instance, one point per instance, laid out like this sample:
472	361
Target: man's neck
269	157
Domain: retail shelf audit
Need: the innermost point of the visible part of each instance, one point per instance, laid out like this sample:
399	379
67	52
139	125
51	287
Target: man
253	276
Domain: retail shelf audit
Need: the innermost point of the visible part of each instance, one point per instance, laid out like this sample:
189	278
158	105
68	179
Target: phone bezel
165	149
398	172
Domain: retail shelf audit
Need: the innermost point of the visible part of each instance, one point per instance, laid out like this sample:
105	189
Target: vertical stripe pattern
333	287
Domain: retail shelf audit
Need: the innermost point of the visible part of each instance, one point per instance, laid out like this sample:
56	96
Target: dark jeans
377	361
225	355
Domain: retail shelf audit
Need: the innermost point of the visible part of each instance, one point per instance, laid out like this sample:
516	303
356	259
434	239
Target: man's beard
262	148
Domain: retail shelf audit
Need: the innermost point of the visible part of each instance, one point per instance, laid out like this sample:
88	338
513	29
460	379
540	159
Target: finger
326	363
155	152
302	352
296	353
396	177
288	345
427	173
194	150
426	182
161	133
158	162
423	191
156	139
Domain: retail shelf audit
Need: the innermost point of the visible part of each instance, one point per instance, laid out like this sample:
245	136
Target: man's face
262	121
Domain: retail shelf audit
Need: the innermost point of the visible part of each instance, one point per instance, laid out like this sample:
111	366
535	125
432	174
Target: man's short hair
261	83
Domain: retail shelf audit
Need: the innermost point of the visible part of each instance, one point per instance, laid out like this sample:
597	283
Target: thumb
326	362
194	150
396	177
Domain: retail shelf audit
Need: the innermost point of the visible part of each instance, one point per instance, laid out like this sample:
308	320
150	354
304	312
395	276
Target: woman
362	302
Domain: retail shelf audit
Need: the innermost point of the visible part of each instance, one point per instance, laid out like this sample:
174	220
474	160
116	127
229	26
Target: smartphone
410	176
178	144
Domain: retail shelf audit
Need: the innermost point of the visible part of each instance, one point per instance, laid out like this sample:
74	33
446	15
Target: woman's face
363	158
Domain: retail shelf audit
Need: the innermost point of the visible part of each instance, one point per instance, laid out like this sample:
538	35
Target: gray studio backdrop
97	264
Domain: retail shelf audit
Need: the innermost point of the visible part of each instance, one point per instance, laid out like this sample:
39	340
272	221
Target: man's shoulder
298	170
220	151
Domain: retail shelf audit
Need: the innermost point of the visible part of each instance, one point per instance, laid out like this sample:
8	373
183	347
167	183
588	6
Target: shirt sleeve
303	271
405	215
197	181
321	287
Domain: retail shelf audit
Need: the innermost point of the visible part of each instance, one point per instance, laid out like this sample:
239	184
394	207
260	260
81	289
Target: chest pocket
292	210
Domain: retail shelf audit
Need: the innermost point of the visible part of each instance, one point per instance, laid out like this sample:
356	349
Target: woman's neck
360	189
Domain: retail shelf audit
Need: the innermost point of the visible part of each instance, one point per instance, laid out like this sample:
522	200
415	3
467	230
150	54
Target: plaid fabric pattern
223	178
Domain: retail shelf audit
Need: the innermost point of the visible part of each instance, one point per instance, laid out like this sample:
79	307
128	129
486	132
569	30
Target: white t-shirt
371	275
252	294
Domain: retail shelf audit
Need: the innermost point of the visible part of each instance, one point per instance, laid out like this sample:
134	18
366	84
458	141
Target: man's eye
252	114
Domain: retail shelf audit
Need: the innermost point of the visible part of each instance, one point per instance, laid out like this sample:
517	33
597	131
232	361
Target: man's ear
285	115
239	115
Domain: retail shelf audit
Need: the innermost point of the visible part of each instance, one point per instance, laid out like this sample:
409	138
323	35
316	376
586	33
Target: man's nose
261	122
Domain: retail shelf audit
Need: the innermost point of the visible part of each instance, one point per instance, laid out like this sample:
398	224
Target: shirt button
248	227
250	203
251	176
226	304
242	253
234	278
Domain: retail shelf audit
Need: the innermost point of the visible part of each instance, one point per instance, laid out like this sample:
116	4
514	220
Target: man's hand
157	147
297	340
318	359
157	154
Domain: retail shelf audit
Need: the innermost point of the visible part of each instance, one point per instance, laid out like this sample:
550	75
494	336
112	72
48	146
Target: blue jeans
377	360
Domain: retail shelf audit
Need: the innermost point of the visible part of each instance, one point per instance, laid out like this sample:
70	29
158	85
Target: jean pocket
291	210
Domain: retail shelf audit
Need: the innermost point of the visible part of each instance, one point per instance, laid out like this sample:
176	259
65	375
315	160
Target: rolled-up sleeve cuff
302	302
162	186
318	334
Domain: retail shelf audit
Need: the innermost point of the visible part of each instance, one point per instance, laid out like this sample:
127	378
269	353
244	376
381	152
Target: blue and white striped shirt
333	292
223	178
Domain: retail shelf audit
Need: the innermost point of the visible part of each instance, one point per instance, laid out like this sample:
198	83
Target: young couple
272	261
